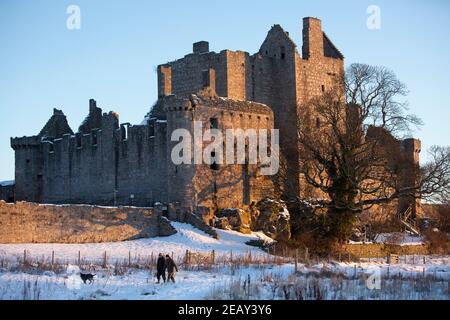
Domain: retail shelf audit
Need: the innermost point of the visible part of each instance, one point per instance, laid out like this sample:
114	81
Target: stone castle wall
7	192
34	223
228	185
113	164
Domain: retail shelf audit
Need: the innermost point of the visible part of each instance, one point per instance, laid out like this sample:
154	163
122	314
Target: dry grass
333	286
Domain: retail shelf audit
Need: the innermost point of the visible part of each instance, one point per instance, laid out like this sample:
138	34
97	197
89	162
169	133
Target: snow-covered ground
401	239
413	278
187	238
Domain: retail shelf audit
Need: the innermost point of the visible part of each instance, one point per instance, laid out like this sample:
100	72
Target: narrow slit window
124	132
214	123
94	138
214	166
283	53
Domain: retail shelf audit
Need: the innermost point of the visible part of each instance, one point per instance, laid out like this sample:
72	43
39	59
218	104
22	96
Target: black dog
87	277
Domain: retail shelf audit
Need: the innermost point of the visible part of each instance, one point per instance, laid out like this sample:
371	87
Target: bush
438	241
444	218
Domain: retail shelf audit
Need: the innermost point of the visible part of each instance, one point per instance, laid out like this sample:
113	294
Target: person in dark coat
161	268
171	268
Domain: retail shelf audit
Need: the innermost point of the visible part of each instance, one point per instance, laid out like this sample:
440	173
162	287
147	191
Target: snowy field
415	278
187	238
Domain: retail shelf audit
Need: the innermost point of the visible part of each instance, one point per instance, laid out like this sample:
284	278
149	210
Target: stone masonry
108	163
34	223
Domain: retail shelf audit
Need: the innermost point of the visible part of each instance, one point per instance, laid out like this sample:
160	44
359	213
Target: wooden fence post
24	256
296	260
129	258
53	257
306	255
248	287
213	257
104	260
79	258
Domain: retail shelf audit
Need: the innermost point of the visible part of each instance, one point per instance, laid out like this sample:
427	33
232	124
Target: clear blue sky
114	55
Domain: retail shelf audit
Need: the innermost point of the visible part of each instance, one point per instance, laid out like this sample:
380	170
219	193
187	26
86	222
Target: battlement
207	99
24	142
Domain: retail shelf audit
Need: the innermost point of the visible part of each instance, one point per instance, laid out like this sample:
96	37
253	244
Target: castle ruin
109	163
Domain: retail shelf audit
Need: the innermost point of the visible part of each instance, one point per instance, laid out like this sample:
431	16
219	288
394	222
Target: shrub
444	218
438	241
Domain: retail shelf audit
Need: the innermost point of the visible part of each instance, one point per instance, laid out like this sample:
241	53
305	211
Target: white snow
187	238
420	277
285	214
403	239
347	281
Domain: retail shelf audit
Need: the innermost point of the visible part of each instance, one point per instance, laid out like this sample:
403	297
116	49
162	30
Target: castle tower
409	175
29	168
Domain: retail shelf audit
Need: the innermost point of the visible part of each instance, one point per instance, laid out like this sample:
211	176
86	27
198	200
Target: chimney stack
312	38
201	47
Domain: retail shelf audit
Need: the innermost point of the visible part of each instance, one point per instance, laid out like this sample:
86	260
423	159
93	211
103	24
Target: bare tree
350	152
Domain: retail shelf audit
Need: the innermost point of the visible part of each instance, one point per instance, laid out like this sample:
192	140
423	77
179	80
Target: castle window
323	88
283	52
214	166
151	128
267	52
51	148
205	78
124	133
28	161
78	141
214	123
94	138
318	124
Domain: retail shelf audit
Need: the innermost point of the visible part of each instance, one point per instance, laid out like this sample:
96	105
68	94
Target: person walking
161	268
171	268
